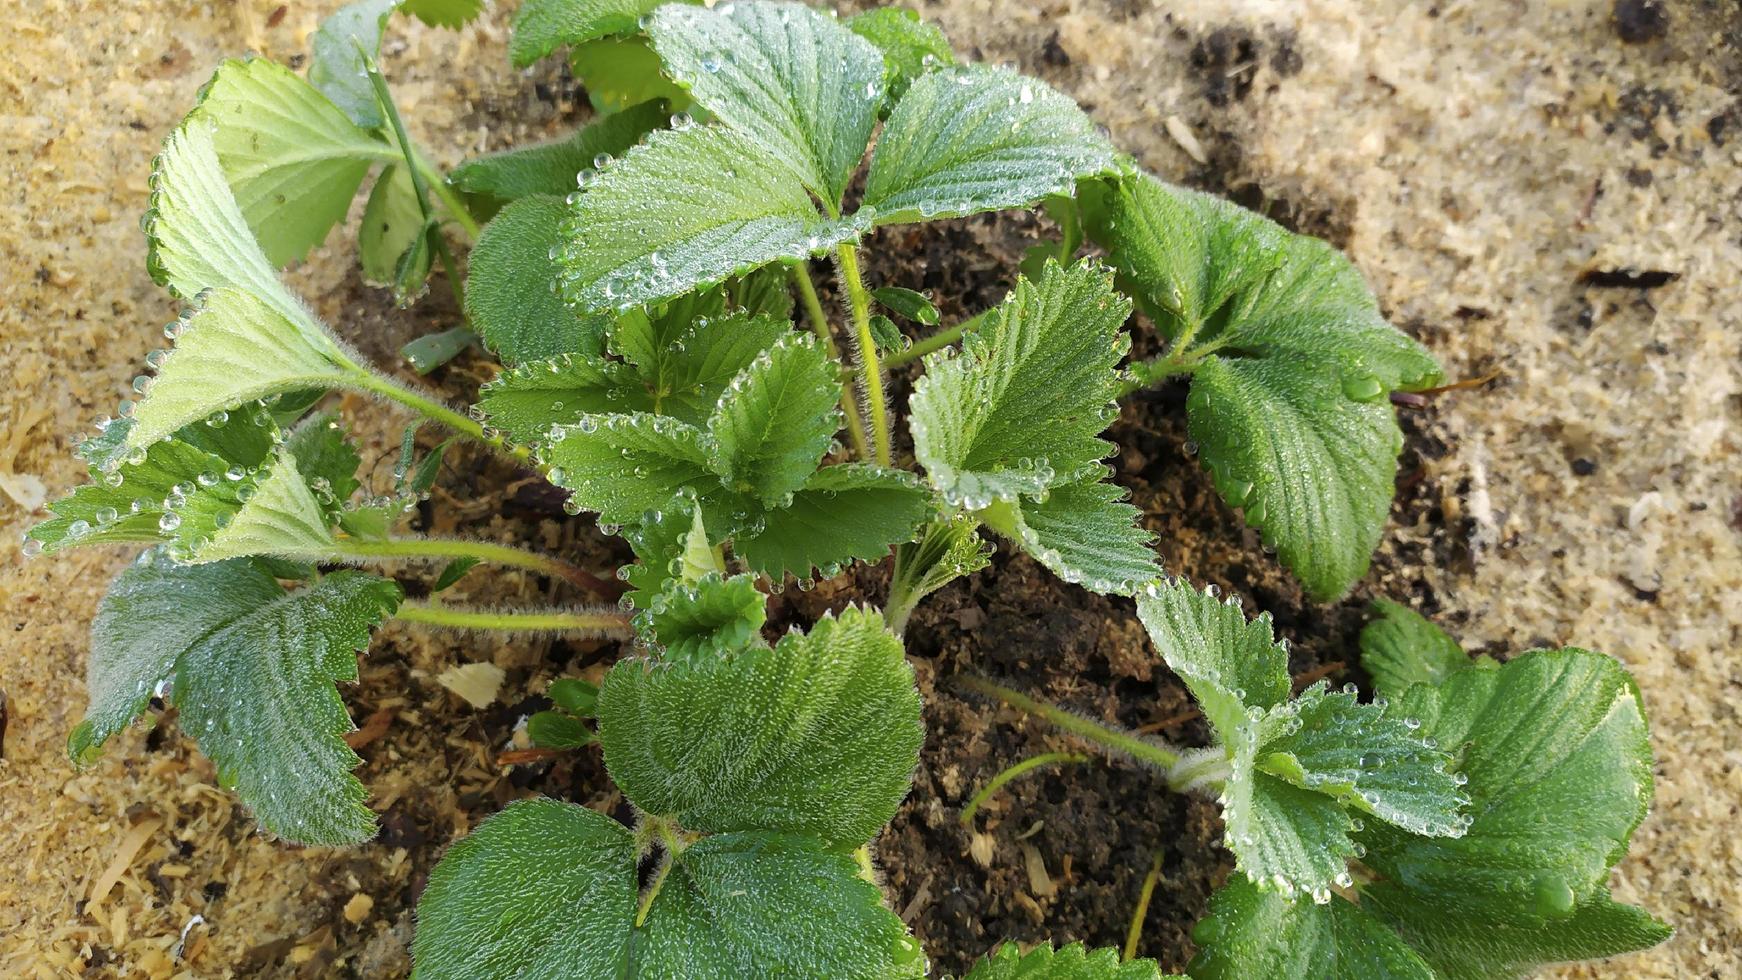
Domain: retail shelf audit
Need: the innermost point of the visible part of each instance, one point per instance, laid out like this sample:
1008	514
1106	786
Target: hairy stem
500	554
865	348
434	410
1143	750
807	291
595	622
1025	766
444	192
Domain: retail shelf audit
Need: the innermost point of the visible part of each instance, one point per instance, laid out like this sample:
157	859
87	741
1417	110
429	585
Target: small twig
1011	772
1134	934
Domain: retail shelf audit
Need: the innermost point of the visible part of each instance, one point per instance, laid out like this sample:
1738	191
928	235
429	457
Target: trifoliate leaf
843	513
623	465
621	72
271	511
971	139
234	348
542	26
1023	406
1255	933
797	83
553	168
527	401
556	730
293	159
1293	363
771	905
776	420
906	303
393	223
1073	962
511	297
452	14
686	208
910	46
327	459
688	355
541	889
1086	533
254	669
575	696
710	617
1228	663
819	735
1401	649
337	68
1284	838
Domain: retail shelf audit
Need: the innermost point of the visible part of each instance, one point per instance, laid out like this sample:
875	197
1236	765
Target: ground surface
1504	174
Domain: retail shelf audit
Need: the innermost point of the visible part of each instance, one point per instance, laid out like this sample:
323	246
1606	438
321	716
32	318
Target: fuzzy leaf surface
843	513
1256	933
774	424
687	356
1073	962
710	617
510	286
551	168
528	400
1230	664
270	512
1088	535
817	736
393	225
1284	838
911	47
1023	406
131	510
1402	648
971	139
622	72
624	465
542	26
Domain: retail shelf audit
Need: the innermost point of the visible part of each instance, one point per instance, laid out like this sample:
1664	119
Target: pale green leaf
511	297
270	511
553	168
1088	535
1480	947
688	207
712	616
326	458
432	350
253	672
1255	933
293	159
527	401
1401	649
1228	663
541	890
1284	838
624	465
774	424
542	26
910	46
971	139
797	83
234	348
946	549
452	14
336	67
622	72
393	224
1073	962
1022	407
819	735
844	513
453	572
127	505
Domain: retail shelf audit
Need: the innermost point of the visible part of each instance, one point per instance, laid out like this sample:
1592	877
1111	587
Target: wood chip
1039	881
374	727
129	849
358	908
476	684
1182	134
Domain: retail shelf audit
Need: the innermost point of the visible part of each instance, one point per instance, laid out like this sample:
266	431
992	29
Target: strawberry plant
667	360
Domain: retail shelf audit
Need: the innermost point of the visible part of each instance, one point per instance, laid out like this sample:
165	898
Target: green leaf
552	168
771	905
452	14
337	69
1022	408
293	159
432	350
253	672
234	348
575	696
1254	933
542	889
885	334
907	303
1073	962
910	46
511	295
971	139
555	730
128	505
947	549
327	459
1228	663
688	207
770	431
270	512
452	572
393	225
843	513
621	72
712	616
1291	361
688	355
1284	838
1088	535
797	83
624	465
528	401
1480	948
819	735
542	26
662	541
1401	649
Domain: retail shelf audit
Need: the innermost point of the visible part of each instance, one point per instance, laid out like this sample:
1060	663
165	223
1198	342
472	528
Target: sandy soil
1506	174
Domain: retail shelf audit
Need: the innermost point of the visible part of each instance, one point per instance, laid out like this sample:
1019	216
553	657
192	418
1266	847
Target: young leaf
1401	649
624	465
452	572
393	224
1022	408
541	889
1073	962
911	47
907	303
620	72
528	401
1284	838
432	350
946	550
253	672
542	26
575	696
710	617
1251	932
336	67
804	88
1228	663
129	504
972	139
271	511
511	295
452	14
842	513
1291	361
556	730
326	458
1086	533
292	158
553	168
817	736
768	434
689	354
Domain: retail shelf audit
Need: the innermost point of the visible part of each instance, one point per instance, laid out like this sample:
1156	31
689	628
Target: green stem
937	341
1179	359
807	291
1161	757
366	380
1134	934
865	348
500	554
451	201
550	621
1025	766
